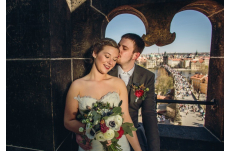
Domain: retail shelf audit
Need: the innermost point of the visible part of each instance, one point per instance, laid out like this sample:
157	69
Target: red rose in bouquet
121	132
139	93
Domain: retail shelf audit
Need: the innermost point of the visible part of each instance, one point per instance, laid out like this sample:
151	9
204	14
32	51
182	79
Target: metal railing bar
185	102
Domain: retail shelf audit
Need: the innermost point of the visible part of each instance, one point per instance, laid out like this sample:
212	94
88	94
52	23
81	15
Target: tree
164	82
204	69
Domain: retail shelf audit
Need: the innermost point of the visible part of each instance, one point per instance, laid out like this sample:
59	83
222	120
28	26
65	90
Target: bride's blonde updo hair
99	45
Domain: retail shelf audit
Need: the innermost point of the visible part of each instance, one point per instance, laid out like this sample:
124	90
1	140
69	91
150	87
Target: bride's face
106	59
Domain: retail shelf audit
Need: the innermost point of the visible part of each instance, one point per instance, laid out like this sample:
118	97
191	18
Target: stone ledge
187	138
186	132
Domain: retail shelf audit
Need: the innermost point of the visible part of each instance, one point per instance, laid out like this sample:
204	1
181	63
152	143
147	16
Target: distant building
141	60
174	62
196	64
150	64
199	63
206	61
196	55
181	65
165	59
187	63
204	84
159	61
200	83
151	56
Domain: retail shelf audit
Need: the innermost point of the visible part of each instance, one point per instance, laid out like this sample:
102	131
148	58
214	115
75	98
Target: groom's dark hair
138	42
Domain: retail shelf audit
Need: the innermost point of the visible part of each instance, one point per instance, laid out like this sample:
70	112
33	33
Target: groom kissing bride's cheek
102	107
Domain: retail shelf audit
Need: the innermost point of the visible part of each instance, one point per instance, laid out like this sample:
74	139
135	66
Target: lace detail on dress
112	98
104	96
77	98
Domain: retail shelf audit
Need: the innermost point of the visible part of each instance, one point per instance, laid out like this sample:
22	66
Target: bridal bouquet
105	123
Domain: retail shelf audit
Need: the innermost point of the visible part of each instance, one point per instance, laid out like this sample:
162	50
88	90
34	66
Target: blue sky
193	31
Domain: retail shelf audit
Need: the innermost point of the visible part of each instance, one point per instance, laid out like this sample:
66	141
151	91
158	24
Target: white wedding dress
112	98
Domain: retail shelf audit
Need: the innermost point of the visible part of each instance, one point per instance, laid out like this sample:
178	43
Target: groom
131	46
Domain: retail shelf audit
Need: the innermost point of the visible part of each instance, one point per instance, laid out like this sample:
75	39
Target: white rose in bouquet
109	135
100	137
118	120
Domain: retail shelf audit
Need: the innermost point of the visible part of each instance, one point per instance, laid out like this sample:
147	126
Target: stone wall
47	48
38	74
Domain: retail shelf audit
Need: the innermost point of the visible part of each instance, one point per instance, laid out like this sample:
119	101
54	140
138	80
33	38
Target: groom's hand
80	140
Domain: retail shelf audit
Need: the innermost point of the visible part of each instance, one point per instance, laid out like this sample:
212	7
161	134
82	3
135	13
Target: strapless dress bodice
112	98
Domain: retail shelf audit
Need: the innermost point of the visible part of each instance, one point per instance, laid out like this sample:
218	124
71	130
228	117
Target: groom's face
126	47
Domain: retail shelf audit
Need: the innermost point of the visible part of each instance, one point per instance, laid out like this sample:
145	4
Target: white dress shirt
125	76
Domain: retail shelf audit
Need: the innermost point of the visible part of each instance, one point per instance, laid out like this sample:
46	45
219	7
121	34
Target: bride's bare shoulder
117	81
119	85
78	83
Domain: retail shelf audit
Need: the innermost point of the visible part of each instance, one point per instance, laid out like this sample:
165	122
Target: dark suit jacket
148	106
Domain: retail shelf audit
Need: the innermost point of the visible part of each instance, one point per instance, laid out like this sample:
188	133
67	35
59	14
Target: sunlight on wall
73	4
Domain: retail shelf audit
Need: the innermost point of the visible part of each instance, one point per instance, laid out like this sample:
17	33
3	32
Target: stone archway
157	29
122	10
215	13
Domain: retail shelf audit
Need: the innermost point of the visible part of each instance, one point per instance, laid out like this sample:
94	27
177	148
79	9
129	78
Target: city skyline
185	53
193	32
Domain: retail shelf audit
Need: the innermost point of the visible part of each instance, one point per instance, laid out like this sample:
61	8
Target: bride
99	86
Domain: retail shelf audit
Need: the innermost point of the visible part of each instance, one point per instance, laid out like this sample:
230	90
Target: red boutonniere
140	91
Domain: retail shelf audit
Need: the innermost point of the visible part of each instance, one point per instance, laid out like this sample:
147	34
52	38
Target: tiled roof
197	76
194	61
201	60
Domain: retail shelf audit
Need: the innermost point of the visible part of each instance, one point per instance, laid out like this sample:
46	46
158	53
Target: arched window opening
187	59
122	24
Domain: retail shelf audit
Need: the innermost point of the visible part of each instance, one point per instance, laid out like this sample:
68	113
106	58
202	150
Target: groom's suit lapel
129	86
135	78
